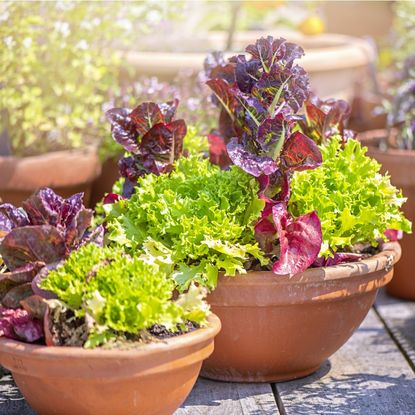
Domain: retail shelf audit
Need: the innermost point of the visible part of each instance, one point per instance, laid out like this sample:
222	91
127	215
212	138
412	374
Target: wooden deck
373	374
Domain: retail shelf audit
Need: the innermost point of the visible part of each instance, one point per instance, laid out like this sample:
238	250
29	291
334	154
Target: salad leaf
36	238
199	217
355	203
151	136
119	296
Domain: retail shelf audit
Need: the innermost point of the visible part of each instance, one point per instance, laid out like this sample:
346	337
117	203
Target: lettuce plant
113	296
198	218
401	108
151	137
354	202
33	240
260	99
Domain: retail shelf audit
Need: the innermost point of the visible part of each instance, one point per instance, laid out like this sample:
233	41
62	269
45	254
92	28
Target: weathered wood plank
367	376
11	401
399	316
207	398
220	398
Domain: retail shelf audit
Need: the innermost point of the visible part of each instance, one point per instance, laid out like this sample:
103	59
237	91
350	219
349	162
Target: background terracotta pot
152	379
278	328
67	172
334	62
104	182
400	164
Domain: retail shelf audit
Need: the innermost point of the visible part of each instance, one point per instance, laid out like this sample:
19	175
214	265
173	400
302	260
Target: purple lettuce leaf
270	51
299	240
145	116
218	154
40	243
216	67
44	207
35	305
275	187
272	135
336	259
250	162
123	128
168	109
16	294
246	73
300	153
20	325
265	232
326	118
19	276
289	85
225	94
11	217
393	235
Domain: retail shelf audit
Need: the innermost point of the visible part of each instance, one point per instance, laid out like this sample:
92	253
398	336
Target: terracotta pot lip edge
165	345
366	138
373	264
88	150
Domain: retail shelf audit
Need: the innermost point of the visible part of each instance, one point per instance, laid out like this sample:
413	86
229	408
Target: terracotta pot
104	182
363	117
152	379
277	328
67	172
400	164
334	62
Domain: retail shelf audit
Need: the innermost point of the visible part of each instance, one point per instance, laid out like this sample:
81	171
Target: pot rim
142	351
384	260
370	138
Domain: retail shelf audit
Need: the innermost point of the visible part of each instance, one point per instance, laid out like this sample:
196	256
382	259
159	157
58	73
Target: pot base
234	376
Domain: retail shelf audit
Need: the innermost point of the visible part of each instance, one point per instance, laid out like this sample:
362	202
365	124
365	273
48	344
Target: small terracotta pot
277	328
104	182
152	379
67	172
400	164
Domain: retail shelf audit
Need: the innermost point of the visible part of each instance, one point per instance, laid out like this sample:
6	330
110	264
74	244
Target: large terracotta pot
400	164
334	62
152	379
277	328
67	172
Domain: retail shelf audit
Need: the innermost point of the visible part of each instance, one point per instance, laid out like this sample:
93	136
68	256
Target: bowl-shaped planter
400	165
334	62
152	379
67	172
277	328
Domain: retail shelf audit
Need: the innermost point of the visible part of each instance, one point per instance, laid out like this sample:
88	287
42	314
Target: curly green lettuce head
121	294
198	219
354	201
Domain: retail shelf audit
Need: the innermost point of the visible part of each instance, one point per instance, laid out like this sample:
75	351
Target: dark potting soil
161	332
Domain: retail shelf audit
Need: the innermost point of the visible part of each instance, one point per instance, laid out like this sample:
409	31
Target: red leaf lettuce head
299	239
151	136
37	237
325	119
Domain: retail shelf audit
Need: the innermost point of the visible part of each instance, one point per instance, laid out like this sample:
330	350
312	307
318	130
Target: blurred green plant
59	62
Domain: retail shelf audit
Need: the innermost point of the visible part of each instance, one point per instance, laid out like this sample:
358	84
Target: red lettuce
19	325
326	118
260	98
151	136
35	239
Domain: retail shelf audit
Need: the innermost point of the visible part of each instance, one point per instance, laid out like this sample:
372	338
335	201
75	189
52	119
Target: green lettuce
354	201
198	218
118	294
